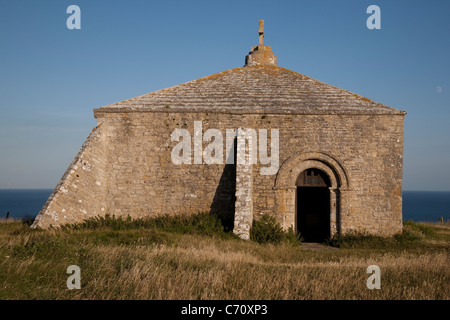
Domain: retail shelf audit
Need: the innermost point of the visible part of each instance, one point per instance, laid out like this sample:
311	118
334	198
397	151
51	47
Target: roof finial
261	55
261	32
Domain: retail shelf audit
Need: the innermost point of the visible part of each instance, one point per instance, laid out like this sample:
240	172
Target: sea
417	205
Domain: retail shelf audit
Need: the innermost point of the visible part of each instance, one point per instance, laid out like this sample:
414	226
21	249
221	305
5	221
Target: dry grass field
165	261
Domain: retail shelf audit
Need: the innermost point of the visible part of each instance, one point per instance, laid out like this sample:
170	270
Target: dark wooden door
313	213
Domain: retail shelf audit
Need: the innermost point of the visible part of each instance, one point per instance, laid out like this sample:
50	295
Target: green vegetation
268	230
203	222
413	236
193	258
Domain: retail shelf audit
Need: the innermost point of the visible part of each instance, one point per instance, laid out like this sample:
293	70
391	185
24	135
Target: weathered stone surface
243	216
81	193
261	90
261	55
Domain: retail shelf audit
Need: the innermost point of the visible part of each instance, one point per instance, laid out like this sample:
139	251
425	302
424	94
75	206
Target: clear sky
52	77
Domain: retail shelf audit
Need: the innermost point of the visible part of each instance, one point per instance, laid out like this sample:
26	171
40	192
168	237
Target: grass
193	258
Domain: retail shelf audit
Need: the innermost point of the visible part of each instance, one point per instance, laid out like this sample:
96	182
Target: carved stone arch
291	168
286	186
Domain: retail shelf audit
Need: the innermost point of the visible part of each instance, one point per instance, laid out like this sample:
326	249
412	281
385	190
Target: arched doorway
313	205
288	181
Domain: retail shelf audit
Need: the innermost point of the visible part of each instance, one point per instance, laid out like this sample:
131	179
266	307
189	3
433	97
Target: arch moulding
291	168
285	186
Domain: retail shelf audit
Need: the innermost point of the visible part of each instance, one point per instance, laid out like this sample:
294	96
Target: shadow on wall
223	204
224	200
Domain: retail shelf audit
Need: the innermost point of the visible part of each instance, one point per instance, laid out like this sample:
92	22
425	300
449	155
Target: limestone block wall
369	147
131	171
81	192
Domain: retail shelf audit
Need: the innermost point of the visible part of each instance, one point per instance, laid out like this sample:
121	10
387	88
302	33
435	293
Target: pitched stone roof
260	89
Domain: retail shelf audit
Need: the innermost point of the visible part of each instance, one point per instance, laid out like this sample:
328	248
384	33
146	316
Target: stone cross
261	32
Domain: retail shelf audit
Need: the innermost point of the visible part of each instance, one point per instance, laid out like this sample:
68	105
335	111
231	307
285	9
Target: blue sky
52	77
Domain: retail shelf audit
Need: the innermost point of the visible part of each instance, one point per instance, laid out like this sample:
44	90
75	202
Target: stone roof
261	86
253	89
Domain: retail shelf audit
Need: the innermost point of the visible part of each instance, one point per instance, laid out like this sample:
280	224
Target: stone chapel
338	161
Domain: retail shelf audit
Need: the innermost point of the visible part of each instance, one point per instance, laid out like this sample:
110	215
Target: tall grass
412	236
159	259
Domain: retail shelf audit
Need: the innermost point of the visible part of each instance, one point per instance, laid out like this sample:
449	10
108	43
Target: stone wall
125	168
81	192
